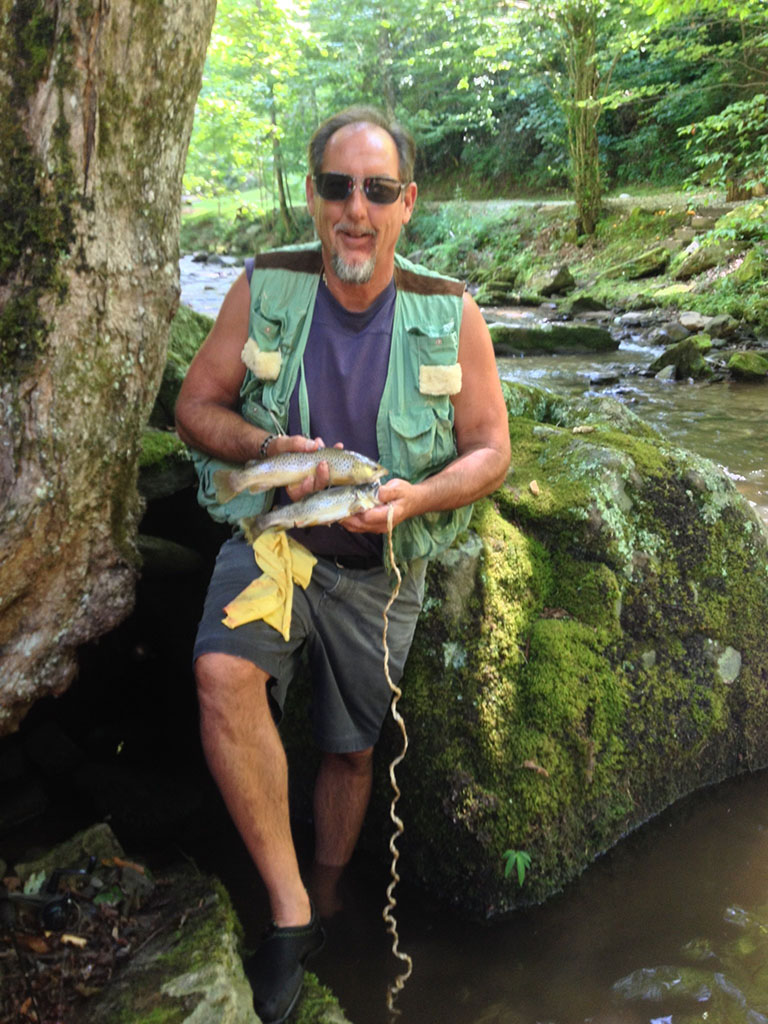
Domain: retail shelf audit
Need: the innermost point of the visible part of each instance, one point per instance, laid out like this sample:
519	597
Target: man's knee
356	762
225	680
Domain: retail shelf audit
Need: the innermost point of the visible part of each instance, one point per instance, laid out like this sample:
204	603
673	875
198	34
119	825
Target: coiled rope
388	914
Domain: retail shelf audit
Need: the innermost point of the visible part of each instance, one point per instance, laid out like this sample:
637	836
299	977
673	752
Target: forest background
505	99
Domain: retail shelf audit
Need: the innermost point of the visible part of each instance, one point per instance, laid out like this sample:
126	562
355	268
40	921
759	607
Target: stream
671	926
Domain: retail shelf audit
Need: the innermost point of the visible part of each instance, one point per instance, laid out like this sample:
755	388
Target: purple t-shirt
345	368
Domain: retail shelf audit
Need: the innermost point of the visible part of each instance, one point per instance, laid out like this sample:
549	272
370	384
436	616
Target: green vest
414	426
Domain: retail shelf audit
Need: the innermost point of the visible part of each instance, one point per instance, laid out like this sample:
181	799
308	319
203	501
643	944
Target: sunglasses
338	187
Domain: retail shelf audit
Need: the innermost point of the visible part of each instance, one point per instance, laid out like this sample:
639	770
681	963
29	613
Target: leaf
34	883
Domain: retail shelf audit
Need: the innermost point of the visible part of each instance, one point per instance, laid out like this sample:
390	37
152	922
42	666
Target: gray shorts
338	619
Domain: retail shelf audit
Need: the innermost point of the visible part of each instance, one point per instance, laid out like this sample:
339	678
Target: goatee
353	273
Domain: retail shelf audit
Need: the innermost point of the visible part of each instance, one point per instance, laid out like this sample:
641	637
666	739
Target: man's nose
356	201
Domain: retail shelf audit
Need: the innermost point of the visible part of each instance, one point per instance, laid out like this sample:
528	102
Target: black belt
356	561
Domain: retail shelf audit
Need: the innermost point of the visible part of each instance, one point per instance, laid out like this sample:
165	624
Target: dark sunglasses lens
380	190
333	186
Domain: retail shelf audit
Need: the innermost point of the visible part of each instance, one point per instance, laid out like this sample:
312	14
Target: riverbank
700	253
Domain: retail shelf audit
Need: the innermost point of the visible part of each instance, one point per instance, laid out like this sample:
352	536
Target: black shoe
276	969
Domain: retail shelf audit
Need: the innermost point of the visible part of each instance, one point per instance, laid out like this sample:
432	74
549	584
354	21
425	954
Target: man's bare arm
206	410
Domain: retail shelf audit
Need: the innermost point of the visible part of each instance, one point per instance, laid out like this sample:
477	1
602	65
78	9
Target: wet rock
687	358
525	337
586	304
668	334
748	366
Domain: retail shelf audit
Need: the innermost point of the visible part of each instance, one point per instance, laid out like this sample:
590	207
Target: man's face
358	236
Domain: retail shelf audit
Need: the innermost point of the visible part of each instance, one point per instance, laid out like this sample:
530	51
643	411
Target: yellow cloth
283	562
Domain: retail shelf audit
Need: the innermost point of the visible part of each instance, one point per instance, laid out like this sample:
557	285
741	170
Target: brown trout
346	468
322	507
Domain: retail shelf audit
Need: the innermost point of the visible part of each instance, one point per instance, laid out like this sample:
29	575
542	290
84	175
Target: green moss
318	1005
35	201
158	445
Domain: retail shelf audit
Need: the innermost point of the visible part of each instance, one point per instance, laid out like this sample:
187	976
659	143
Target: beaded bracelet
265	444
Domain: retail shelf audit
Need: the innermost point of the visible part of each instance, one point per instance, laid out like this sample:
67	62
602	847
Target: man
347	342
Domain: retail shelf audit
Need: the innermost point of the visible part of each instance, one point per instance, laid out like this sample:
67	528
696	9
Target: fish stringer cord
397	985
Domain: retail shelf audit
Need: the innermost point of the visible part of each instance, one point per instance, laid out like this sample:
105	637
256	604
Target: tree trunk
96	107
277	158
582	111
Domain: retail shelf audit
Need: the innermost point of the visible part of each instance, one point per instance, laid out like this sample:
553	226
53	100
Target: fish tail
223	483
254	526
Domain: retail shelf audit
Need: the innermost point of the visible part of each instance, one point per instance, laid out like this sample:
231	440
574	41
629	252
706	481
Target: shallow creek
671	927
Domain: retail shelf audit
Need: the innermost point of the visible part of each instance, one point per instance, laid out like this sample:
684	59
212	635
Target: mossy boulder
188	331
556	280
748	366
702	258
646	264
687	358
752	268
529	337
594	651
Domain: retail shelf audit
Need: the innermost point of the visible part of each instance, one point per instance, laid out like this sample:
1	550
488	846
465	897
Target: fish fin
224	490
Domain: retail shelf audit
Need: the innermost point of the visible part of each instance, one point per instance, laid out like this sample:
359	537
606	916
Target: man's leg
246	758
342	792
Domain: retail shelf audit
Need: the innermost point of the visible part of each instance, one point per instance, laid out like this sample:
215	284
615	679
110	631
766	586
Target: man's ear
309	187
409	200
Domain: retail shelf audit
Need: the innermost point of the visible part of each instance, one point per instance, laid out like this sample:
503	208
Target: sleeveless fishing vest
414	426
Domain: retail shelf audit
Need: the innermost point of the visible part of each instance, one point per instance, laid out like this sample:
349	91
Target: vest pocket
261	353
422	442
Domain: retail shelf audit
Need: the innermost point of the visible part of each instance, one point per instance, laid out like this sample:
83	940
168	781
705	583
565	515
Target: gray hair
406	148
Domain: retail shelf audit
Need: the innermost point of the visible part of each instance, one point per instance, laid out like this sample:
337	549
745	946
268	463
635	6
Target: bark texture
96	106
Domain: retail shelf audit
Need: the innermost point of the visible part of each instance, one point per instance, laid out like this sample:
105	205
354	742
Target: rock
162	557
526	337
608	659
188	331
703	223
637	318
668	334
557	280
647	264
701	258
748	366
684	235
165	465
186	966
722	326
752	268
695	321
586	304
687	358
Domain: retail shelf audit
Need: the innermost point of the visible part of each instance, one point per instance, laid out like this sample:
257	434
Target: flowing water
671	927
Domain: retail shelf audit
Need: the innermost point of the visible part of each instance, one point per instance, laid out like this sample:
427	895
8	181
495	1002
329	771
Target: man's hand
402	496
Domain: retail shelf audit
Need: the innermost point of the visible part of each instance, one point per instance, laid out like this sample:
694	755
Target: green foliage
502	99
731	146
516	860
